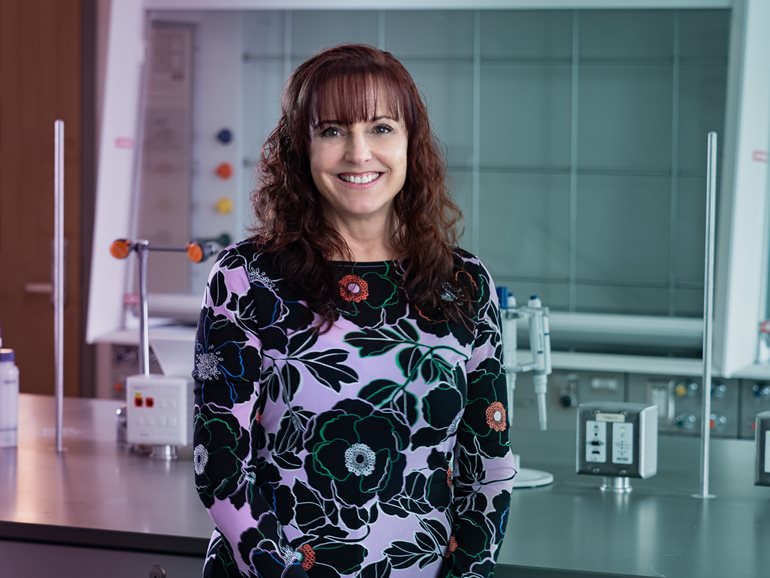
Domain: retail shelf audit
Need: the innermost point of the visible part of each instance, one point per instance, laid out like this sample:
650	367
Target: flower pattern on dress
353	288
200	459
359	459
207	365
496	416
308	556
362	451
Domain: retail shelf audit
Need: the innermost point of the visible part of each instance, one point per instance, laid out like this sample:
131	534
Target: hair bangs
348	98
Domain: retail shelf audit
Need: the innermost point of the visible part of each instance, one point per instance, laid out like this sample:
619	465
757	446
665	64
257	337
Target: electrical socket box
617	439
762	437
159	410
755	399
679	403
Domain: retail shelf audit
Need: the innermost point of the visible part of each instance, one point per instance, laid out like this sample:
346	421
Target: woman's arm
227	369
484	468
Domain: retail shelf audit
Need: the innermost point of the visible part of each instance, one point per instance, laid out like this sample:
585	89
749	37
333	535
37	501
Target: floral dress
376	449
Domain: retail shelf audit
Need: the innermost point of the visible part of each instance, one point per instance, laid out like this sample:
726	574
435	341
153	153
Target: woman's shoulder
471	264
246	253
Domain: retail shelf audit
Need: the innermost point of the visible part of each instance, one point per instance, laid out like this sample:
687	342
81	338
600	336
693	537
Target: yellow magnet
224	206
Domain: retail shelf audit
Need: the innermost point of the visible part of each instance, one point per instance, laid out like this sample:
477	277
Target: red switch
149	402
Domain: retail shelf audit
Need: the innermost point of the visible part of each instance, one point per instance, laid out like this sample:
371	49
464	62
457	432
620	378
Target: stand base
527	478
620	485
167	453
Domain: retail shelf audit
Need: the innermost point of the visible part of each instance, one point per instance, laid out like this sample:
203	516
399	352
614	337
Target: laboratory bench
98	509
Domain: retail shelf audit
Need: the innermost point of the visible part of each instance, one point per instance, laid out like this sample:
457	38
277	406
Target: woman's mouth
359	178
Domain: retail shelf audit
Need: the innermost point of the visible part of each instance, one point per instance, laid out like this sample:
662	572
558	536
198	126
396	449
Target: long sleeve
227	370
484	467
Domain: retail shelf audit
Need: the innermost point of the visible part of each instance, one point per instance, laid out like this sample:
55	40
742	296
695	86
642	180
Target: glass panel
525	115
447	88
526	34
701	109
313	30
626	34
624	117
645	87
524	229
623	230
450	36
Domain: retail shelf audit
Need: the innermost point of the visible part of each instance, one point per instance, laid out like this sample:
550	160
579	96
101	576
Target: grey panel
527	34
620	34
460	185
524	224
704	33
313	30
702	90
262	84
633	300
690	232
623	229
263	32
755	398
687	303
553	294
448	90
525	115
441	34
624	118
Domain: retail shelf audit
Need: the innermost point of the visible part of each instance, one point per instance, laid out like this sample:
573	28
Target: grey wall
575	140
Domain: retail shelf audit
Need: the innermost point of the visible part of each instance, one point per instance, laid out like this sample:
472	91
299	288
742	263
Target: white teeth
360	180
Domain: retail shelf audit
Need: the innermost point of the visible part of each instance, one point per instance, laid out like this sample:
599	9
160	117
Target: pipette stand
540	366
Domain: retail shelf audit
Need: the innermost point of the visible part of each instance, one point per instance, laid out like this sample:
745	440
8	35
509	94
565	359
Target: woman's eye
383	129
330	132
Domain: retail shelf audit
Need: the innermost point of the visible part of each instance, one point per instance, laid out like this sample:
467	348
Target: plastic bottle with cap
9	399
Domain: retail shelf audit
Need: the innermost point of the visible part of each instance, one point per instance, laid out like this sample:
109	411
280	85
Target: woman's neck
366	241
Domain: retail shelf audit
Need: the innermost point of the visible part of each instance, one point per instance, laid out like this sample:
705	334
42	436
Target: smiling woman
351	413
359	168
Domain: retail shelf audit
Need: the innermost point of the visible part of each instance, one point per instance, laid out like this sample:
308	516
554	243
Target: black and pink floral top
376	449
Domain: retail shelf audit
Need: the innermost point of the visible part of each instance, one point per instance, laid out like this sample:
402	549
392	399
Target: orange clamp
194	252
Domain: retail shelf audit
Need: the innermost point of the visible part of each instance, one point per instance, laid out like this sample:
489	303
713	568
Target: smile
359	179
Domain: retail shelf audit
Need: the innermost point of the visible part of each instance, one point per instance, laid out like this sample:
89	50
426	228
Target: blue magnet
225	136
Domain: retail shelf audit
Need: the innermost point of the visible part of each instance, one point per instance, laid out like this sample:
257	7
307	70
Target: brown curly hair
341	82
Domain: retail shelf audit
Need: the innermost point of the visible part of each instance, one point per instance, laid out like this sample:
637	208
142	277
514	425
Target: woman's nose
357	149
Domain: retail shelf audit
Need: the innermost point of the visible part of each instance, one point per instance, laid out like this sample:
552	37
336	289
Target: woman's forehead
355	98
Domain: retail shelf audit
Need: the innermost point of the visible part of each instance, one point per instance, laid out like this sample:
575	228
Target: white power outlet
160	410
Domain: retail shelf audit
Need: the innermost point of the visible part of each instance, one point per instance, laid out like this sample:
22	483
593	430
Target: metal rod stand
58	280
708	307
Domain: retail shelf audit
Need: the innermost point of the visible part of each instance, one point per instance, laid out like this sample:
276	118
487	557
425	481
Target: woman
350	403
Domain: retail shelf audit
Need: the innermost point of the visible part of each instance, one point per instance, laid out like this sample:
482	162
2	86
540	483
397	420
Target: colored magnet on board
225	136
224	206
224	171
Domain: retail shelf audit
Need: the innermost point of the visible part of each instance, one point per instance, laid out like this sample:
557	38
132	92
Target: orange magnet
224	171
120	248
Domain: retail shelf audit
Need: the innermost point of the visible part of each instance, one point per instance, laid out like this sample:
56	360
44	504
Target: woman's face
359	168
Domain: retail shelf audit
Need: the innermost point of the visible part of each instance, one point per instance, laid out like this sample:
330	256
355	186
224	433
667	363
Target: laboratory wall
575	139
